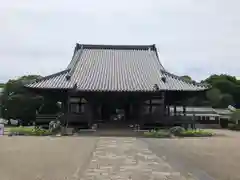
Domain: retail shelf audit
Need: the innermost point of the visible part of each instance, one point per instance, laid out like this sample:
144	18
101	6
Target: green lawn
30	131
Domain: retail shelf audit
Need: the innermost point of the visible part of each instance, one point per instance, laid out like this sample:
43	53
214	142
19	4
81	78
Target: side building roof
116	68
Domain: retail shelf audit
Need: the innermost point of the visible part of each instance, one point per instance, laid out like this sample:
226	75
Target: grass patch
158	134
178	132
195	133
29	131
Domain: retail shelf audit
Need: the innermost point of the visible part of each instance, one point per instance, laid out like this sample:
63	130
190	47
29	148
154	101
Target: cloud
194	37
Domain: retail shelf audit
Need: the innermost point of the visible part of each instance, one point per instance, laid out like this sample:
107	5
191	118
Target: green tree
226	100
186	78
229	88
18	102
214	96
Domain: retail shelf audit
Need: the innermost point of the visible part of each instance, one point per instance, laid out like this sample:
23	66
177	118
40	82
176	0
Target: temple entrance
116	112
114	115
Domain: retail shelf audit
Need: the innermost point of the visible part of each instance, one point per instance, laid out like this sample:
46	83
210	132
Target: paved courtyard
127	158
44	158
89	158
207	158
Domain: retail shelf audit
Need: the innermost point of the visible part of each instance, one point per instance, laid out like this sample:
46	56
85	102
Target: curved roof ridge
119	47
50	76
158	58
75	59
180	78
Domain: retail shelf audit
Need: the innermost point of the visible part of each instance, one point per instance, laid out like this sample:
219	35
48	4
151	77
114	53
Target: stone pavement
128	159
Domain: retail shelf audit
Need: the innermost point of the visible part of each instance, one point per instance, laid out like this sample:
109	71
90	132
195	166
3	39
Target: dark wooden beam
175	110
184	110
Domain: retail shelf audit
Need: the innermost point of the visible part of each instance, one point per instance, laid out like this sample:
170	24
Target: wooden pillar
139	114
101	112
150	106
175	110
193	126
130	111
168	110
68	109
184	110
186	124
164	104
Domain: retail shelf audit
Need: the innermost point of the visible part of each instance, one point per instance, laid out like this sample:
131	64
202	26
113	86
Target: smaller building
204	115
224	113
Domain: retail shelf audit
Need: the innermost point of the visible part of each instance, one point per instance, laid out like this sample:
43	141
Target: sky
193	37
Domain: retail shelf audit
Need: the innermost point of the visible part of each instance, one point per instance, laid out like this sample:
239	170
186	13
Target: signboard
74	100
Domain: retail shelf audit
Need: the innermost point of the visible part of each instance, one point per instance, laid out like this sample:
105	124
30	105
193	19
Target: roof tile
116	68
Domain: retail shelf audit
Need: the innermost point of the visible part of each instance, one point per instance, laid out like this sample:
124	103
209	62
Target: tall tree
17	102
229	88
226	100
214	96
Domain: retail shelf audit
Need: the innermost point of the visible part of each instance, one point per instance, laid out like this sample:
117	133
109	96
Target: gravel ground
44	158
206	158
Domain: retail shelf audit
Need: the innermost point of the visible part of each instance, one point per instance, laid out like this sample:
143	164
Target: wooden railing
45	119
81	120
151	121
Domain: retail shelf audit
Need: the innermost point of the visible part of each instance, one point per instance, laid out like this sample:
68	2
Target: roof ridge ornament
75	86
68	77
156	87
76	57
163	79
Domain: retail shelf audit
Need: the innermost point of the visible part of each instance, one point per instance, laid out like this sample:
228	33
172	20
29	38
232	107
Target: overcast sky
194	37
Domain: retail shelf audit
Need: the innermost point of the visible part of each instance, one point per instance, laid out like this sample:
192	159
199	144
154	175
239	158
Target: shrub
235	127
29	131
158	134
195	133
176	130
55	126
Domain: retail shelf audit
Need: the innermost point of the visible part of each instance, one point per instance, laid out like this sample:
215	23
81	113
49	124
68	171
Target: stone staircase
115	128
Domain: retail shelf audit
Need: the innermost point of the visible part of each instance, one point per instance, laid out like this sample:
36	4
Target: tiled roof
115	68
54	81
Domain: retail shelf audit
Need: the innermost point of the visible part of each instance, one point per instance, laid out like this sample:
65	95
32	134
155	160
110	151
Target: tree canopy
19	103
229	87
186	78
224	91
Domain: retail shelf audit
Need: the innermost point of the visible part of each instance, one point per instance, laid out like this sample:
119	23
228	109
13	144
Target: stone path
127	159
